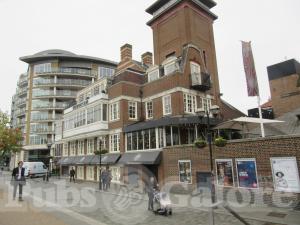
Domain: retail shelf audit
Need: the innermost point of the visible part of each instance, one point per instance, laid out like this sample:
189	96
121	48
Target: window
104	112
167	108
90	175
38	139
170	68
132	110
206	104
115	174
141	140
153	75
105	72
90	146
115	142
73	148
81	147
94	114
185	171
42	68
80	172
114	111
149	110
196	73
65	149
189	103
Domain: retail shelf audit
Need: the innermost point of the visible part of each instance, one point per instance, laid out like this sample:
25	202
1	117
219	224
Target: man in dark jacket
72	175
18	179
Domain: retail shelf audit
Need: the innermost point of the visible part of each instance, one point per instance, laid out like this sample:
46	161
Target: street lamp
214	110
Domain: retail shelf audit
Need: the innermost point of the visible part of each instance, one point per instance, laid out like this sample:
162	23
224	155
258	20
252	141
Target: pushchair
161	204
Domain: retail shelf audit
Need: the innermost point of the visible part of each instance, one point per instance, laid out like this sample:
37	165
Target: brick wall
260	149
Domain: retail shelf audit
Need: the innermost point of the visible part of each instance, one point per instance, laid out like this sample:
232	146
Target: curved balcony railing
70	71
43	130
20	102
45	118
51	106
20	112
22	91
59	93
62	82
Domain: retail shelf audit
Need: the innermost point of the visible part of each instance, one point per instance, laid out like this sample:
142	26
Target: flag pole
260	117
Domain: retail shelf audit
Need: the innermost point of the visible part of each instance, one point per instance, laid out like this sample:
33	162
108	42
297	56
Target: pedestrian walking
150	187
18	180
72	175
109	177
104	177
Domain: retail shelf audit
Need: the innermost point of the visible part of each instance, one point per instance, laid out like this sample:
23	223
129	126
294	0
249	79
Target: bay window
189	103
114	111
114	142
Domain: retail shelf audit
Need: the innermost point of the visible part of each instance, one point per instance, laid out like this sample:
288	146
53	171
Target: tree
10	138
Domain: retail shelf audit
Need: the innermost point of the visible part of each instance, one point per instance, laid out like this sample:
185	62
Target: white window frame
112	108
80	147
114	142
90	146
167	111
148	115
190	103
90	173
196	71
80	172
65	149
134	106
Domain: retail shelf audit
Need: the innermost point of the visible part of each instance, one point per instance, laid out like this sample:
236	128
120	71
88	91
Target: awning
82	160
110	158
145	158
66	160
165	121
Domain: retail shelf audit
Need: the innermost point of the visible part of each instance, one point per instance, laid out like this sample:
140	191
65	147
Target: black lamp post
212	110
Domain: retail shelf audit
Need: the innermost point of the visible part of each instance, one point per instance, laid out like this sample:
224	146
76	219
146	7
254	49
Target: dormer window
153	73
170	65
196	73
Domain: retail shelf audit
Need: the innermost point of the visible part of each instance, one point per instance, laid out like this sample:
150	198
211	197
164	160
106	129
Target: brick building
151	109
284	86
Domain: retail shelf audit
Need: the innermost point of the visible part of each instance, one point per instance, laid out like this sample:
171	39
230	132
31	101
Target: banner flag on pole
249	66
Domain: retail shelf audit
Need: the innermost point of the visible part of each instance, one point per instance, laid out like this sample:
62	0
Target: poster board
285	174
224	172
247	173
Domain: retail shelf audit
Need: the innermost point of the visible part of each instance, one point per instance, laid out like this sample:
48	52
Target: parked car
35	169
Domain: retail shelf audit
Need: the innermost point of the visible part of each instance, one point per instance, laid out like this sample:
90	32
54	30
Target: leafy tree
10	138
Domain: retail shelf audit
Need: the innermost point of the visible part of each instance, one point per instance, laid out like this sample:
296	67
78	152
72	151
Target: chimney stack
126	53
147	58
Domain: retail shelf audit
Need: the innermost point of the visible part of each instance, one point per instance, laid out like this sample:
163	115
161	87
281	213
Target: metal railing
71	71
42	130
73	82
20	102
66	93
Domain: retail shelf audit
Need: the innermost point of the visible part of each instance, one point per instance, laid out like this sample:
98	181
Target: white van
34	169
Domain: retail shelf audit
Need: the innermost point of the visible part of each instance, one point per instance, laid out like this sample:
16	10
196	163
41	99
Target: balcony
61	93
201	81
70	71
42	130
59	105
51	94
45	118
21	102
61	83
22	91
20	112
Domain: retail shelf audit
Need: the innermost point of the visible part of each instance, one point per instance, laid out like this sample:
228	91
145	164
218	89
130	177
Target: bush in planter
220	142
103	151
200	143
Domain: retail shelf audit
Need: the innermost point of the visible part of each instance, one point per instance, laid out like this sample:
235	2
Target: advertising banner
185	171
247	173
285	174
224	172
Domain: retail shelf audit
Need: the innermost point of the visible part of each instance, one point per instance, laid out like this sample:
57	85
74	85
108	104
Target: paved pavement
60	202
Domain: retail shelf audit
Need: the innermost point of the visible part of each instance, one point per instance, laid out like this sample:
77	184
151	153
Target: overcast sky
99	27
